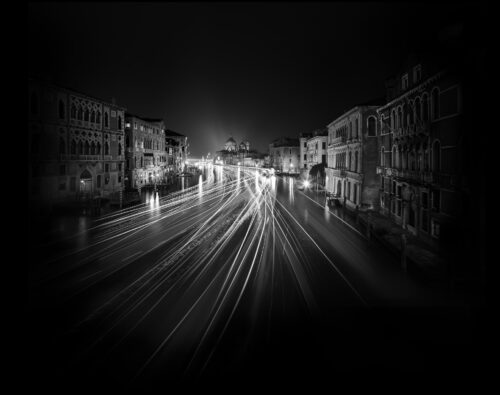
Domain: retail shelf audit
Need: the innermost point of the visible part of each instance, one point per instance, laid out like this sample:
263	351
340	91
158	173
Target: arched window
86	117
404	114
73	147
92	148
73	111
62	146
119	149
34	103
435	103
98	117
425	107
350	160
98	148
127	142
356	124
62	110
393	120
400	118
400	157
106	120
87	148
80	113
80	147
394	157
99	180
382	156
436	156
372	126
92	116
411	114
356	159
350	130
412	159
119	122
418	115
106	148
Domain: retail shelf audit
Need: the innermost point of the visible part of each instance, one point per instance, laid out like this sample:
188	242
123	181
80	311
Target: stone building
146	157
352	157
284	155
316	148
303	152
420	149
177	151
234	154
76	145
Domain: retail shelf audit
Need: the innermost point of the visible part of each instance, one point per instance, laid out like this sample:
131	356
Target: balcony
338	140
339	172
81	157
355	176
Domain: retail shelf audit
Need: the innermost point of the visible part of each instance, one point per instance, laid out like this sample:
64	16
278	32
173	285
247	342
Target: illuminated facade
284	155
146	158
76	145
352	157
177	151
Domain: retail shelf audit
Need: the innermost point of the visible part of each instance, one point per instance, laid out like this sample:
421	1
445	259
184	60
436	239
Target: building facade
352	158
177	151
284	155
146	158
316	148
303	152
76	145
420	151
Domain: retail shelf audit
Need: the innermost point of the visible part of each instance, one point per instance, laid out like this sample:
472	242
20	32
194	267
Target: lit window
404	82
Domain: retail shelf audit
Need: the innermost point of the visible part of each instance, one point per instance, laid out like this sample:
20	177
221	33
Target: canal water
58	225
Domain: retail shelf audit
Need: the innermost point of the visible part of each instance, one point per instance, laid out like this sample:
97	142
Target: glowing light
307	183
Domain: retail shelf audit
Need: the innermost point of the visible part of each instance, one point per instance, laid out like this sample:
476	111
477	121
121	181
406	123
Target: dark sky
255	71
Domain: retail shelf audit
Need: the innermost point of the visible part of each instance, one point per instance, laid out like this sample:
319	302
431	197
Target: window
417	73
80	114
99	180
92	116
106	120
135	125
106	148
435	228
356	128
394	157
417	109
87	115
106	167
62	185
62	110
350	160
119	167
92	148
73	111
73	147
435	103
62	170
436	199
404	82
98	148
106	180
372	125
119	122
324	145
382	157
98	117
119	149
80	147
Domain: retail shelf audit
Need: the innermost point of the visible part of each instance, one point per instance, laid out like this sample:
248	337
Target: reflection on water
200	187
291	196
327	211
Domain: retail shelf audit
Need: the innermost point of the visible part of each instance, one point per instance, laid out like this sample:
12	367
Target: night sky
255	71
